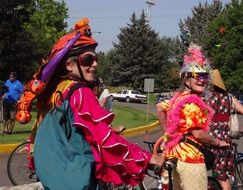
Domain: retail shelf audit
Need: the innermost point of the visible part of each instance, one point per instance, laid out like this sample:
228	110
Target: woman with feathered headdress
187	116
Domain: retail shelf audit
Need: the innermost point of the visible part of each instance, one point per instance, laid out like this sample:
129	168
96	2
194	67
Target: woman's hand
119	129
223	144
157	160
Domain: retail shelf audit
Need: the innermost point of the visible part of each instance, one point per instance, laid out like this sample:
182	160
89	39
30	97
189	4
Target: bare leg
8	126
11	125
5	126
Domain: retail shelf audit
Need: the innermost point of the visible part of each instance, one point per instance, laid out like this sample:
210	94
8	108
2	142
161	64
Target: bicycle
155	182
237	181
21	171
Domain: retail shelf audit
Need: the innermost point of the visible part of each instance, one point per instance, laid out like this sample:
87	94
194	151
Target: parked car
163	96
240	98
128	96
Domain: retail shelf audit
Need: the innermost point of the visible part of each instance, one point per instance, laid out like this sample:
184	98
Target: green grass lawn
128	117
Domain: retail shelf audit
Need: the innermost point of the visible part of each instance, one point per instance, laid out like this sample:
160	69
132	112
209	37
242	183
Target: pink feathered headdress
195	61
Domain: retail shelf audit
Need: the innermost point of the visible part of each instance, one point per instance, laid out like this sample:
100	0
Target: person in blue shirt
10	98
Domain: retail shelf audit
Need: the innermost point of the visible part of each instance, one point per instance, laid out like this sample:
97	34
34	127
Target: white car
128	96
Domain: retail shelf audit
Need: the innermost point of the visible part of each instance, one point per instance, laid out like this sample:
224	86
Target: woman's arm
161	116
238	105
203	137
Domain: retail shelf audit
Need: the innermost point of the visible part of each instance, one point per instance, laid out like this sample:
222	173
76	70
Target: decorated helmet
84	41
71	44
194	61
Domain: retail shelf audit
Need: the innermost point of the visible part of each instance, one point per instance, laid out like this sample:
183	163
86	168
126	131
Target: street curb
136	130
7	148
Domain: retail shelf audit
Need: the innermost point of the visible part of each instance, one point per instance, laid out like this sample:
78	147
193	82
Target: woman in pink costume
116	160
188	116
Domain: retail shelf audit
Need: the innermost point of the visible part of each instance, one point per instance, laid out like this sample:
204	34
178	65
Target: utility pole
149	3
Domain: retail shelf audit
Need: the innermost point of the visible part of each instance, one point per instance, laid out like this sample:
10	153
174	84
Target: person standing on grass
10	98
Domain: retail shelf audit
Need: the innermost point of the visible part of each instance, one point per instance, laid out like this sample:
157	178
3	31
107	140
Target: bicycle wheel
17	166
213	184
238	184
150	182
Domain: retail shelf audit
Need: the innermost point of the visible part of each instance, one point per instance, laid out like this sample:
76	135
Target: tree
16	44
103	67
46	24
194	27
137	55
224	42
168	78
28	29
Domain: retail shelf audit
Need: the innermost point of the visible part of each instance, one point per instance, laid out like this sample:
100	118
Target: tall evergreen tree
137	55
224	42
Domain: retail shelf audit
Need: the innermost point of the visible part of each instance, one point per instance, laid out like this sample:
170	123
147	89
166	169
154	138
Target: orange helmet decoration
71	44
85	40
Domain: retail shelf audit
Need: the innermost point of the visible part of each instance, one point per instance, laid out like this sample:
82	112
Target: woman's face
88	64
197	84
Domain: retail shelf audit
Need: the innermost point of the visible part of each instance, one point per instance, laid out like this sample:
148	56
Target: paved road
153	135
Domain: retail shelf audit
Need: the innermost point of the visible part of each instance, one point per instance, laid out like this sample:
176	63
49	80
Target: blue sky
108	16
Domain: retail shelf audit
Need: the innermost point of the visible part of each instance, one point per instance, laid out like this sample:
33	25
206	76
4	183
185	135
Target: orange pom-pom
23	117
81	23
36	86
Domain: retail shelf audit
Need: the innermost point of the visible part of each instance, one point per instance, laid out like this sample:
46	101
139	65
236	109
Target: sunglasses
86	60
201	76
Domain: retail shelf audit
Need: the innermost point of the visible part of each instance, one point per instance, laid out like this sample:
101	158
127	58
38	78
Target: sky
108	16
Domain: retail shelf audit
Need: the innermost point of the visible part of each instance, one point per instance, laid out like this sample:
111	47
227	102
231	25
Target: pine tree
137	55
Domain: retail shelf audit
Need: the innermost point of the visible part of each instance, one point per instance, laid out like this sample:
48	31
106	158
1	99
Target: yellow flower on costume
193	116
